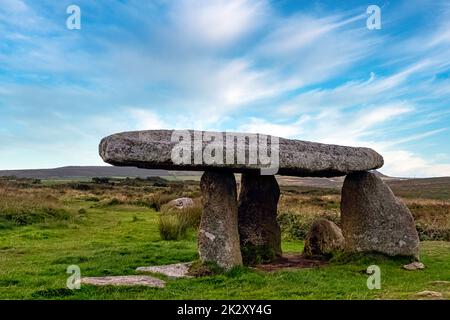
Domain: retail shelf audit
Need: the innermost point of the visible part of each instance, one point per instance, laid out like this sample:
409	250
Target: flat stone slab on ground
124	281
414	266
428	294
153	149
176	270
440	282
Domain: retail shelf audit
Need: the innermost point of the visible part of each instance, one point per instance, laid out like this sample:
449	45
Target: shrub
296	225
296	213
432	218
91	199
429	233
157	181
100	180
113	202
80	186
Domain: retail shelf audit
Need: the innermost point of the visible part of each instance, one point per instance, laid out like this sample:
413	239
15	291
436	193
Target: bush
114	202
296	213
139	182
296	225
91	199
100	180
428	233
80	186
432	218
157	181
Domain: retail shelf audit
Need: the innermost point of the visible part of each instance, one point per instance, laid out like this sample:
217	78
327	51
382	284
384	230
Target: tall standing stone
373	219
259	231
218	238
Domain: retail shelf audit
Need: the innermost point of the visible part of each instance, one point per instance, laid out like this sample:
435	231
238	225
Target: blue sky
298	69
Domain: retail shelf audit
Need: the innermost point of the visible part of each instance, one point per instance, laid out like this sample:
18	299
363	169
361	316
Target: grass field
105	237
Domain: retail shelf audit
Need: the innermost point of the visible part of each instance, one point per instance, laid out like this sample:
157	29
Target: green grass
117	239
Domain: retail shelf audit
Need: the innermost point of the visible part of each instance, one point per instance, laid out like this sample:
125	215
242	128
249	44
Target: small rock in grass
427	294
440	282
176	270
414	266
124	281
324	238
181	203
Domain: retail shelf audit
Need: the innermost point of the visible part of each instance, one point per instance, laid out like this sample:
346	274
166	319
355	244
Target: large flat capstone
235	152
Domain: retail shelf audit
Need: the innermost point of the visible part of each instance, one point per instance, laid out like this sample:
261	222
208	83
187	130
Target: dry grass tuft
174	223
24	206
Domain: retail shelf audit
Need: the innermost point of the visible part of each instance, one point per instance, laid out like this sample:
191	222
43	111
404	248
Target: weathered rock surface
124	281
153	149
259	232
218	237
323	239
416	265
181	203
373	219
428	294
440	282
175	270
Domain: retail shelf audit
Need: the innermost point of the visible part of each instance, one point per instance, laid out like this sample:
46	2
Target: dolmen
241	229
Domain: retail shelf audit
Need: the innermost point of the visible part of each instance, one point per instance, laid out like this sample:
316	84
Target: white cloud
402	163
217	23
255	125
355	93
146	119
368	118
14	6
312	49
301	31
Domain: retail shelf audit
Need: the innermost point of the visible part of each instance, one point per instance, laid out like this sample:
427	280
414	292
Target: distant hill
132	172
334	182
84	172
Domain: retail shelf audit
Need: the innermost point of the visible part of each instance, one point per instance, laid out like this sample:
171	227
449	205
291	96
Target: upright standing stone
259	231
218	238
373	219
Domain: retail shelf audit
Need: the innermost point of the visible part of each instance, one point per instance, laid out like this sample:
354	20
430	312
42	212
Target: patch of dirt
291	261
